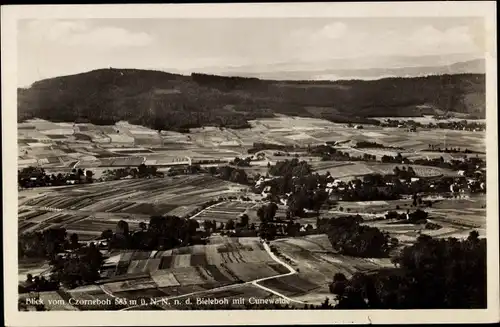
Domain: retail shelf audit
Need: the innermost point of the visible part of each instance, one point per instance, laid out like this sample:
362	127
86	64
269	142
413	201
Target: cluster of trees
142	171
192	169
330	153
430	274
302	191
404	173
459	125
30	177
272	226
437	148
46	244
241	162
267	212
394	159
304	199
80	267
38	284
454	125
228	173
349	237
292	167
368	144
161	233
367	192
72	263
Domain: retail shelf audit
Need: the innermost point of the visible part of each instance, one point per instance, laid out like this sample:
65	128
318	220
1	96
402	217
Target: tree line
30	177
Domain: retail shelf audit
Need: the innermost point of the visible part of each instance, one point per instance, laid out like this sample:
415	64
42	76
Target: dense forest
432	273
168	101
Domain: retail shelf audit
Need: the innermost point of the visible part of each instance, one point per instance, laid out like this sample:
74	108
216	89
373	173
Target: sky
49	48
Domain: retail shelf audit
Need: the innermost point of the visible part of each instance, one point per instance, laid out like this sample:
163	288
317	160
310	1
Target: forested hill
168	101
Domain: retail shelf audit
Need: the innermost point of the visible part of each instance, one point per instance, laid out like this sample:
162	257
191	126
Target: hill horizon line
253	76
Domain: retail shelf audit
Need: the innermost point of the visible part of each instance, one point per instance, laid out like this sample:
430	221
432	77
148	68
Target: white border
10	14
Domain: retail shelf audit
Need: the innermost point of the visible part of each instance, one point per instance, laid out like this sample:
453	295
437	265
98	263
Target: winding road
292	271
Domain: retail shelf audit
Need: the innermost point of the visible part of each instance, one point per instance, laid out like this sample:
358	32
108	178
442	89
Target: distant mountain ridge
476	66
177	102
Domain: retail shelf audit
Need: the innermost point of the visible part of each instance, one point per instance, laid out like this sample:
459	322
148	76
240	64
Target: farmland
297	269
102	146
88	210
226	267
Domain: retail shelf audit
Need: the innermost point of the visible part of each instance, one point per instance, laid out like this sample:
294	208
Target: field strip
113	216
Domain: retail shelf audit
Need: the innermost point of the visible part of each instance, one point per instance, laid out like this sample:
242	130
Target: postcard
225	164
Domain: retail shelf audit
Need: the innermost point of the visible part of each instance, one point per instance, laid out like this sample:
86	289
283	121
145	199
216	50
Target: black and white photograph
279	158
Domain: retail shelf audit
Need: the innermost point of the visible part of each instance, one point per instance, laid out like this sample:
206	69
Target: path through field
278	260
207	208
